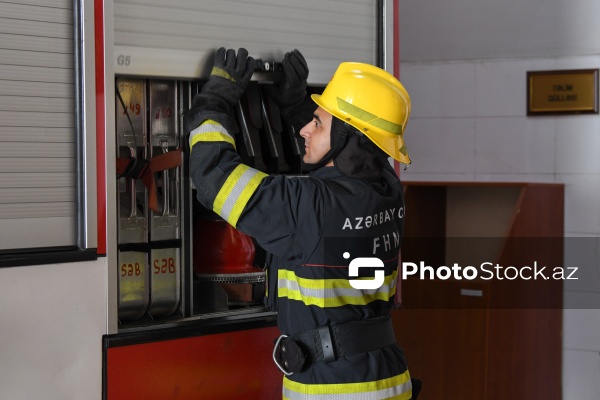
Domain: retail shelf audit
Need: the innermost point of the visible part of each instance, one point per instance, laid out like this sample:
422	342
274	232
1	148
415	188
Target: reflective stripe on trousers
398	387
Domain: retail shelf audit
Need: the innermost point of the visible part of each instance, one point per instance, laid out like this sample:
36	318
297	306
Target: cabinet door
443	330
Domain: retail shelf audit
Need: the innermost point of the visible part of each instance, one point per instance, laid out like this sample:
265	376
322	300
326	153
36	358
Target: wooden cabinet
496	335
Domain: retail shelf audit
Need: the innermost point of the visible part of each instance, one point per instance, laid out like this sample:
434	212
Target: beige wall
52	318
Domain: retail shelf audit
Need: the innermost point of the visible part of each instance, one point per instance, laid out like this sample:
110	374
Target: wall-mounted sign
562	92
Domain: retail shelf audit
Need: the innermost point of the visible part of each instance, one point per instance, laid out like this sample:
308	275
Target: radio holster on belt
329	342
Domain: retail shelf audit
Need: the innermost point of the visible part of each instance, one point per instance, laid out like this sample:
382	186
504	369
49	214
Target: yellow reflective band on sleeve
210	131
326	293
398	387
236	192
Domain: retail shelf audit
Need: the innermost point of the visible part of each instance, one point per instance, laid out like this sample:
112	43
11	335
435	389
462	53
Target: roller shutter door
38	163
175	38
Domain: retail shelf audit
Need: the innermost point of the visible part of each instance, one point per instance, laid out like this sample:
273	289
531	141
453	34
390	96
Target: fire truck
115	282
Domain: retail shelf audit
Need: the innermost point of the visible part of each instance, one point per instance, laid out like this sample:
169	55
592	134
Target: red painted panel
233	365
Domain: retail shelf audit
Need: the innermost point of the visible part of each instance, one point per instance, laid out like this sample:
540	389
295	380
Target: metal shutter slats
51	11
35	165
35	104
32	28
37	180
37	150
36	59
34	134
37	74
178	37
34	43
27	195
38	166
37	210
28	89
40	119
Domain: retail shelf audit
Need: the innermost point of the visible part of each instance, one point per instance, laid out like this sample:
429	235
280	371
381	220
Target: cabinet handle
166	186
132	187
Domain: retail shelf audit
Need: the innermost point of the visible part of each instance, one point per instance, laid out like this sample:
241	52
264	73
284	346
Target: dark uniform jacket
312	228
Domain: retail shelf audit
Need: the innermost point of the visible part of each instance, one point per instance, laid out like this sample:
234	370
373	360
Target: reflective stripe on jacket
329	293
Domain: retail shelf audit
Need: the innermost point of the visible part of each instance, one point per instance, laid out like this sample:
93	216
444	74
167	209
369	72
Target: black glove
230	75
292	90
228	80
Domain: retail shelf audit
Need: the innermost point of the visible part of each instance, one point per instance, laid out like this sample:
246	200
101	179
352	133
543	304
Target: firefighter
326	234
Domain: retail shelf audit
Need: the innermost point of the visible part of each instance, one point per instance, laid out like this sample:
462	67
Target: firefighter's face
317	137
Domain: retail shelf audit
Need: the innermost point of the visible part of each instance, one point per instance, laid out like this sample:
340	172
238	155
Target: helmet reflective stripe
210	131
326	293
368	117
403	150
235	193
397	387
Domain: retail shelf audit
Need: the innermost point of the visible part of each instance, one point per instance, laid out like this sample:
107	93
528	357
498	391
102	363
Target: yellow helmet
371	100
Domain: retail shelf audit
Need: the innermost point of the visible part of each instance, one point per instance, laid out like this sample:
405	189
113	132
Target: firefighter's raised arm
248	199
214	164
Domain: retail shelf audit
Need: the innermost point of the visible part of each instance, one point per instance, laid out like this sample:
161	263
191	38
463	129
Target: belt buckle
281	367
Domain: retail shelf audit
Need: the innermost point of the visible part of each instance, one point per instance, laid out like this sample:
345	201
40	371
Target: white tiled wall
514	145
469	123
577	144
582	203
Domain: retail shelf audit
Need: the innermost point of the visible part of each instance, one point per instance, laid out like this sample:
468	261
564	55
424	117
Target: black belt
327	343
